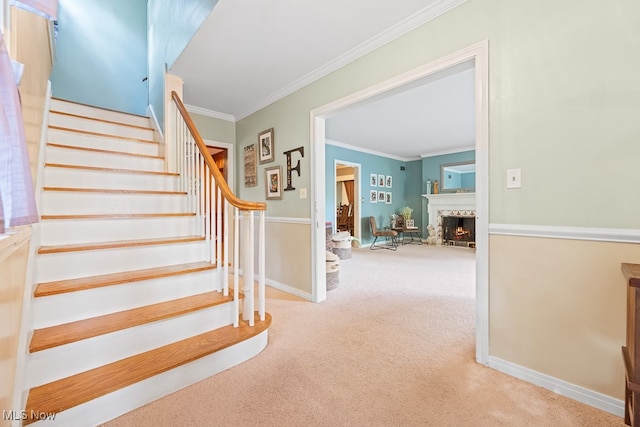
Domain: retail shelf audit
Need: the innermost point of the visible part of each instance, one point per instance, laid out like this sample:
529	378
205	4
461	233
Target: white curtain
17	200
46	8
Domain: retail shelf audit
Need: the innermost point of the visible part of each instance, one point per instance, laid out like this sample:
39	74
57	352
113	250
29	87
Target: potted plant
406	213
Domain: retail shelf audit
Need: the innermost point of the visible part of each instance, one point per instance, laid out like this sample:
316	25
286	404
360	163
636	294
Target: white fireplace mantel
456	204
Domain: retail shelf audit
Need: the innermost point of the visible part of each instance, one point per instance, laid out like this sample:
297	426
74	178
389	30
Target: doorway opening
478	53
347	195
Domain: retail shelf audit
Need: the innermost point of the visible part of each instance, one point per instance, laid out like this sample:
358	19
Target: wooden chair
343	218
392	245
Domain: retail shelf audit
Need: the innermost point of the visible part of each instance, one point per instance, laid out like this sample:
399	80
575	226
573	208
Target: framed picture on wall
389	198
250	166
373	180
381	179
373	196
273	182
266	146
382	196
389	181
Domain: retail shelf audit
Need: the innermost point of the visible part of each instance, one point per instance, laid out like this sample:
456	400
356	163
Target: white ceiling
250	53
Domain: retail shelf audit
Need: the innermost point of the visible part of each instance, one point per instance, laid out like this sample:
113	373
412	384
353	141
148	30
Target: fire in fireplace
458	231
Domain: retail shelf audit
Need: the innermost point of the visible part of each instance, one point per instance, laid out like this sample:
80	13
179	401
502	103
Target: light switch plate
514	178
303	193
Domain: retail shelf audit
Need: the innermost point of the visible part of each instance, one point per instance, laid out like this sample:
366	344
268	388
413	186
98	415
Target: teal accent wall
431	165
101	54
431	170
172	24
405	186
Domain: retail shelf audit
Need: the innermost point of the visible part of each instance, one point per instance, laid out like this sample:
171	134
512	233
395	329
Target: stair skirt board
120	402
53	364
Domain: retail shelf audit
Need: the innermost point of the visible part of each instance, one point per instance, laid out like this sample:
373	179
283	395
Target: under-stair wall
127	298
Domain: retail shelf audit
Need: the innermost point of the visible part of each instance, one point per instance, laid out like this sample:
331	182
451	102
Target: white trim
419	18
288	289
563	388
284	220
154	120
478	52
210	113
619	235
368	151
448	151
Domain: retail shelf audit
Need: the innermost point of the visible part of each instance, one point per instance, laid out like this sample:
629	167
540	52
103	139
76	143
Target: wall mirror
458	177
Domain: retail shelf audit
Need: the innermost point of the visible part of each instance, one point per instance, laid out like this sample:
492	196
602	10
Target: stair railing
209	196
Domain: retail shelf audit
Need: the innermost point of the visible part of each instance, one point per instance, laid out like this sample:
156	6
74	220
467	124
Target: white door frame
478	52
356	194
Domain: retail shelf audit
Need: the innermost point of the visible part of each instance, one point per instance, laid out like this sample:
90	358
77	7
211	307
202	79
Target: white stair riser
69	307
63	137
75	202
112	405
88	111
104	160
59	362
64	177
98	126
71	265
65	231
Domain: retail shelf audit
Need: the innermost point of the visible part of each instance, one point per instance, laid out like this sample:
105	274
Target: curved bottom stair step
72	391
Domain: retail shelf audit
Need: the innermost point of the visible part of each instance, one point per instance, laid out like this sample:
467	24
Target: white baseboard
288	289
563	388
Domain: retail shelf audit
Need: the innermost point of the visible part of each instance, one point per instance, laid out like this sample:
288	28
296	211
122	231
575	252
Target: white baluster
247	267
225	252
261	267
236	272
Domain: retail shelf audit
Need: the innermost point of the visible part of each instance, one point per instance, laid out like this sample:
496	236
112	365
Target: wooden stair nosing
54	336
75	247
84	283
80	116
102	135
80	388
99	150
117	216
100	169
114	191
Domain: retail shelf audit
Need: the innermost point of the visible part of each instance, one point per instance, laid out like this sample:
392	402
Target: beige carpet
392	346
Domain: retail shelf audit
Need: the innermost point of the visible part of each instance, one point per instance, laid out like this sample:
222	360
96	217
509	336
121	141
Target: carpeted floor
393	345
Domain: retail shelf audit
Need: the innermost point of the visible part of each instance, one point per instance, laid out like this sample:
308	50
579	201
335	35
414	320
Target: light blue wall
172	24
405	188
101	54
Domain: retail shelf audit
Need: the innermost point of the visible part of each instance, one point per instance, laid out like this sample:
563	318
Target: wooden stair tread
99	150
96	119
103	135
115	191
96	168
80	388
116	244
84	283
67	333
118	216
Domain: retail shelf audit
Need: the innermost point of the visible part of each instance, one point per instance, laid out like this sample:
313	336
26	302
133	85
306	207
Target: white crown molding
366	150
618	235
210	113
563	388
448	151
412	22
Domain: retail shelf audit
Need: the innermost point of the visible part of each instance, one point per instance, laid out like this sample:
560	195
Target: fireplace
459	231
455	205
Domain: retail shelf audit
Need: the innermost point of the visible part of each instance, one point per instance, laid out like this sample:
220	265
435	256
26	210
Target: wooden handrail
217	175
